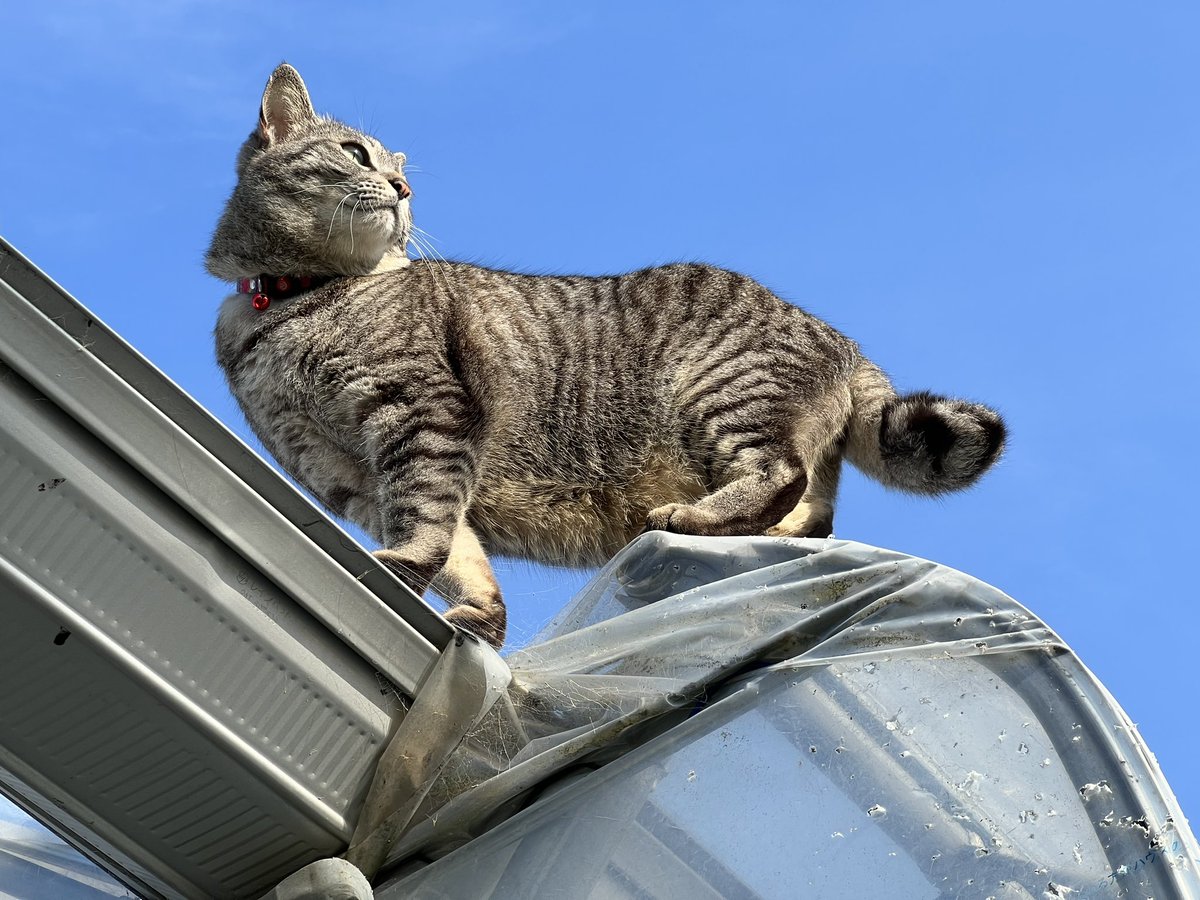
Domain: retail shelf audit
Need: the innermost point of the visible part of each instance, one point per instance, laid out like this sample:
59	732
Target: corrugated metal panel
67	353
196	684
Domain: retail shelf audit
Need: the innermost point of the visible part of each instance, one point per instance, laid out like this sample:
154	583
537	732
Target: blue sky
998	201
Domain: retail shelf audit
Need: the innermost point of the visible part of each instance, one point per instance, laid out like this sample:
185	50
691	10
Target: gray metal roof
61	348
200	669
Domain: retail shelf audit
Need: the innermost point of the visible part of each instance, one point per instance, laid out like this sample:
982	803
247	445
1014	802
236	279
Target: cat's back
656	310
526	327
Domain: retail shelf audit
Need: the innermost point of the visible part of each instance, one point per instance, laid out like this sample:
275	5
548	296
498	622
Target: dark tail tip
932	444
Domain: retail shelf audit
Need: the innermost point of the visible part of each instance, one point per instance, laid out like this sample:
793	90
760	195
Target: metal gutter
58	346
200	670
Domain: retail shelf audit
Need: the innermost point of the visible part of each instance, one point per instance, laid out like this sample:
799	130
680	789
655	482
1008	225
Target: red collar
265	288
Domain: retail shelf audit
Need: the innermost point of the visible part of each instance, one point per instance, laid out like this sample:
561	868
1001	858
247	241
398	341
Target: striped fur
454	411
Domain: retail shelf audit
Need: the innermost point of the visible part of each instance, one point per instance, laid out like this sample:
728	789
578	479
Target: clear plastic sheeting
34	862
716	718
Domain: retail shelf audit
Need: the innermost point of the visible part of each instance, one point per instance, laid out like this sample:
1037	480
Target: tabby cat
452	410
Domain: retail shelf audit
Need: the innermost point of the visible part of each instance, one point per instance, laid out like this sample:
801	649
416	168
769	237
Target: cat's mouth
360	230
357	212
372	204
391	212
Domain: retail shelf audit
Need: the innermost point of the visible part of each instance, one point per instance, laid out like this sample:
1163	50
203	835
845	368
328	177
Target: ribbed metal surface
159	690
114	766
83	367
199	668
176	600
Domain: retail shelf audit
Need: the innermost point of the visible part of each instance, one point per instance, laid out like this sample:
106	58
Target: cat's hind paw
806	520
683	518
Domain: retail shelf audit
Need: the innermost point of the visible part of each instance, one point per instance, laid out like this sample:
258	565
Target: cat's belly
577	525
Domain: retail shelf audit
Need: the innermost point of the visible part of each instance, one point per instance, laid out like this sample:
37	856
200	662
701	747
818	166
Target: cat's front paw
416	575
488	624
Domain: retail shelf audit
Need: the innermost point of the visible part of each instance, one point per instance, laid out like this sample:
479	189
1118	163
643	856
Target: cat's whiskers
423	247
333	218
357	203
430	240
415	241
316	190
425	240
440	269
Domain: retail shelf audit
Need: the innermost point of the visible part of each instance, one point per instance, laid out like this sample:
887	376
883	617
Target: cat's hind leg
783	482
820	438
813	515
748	504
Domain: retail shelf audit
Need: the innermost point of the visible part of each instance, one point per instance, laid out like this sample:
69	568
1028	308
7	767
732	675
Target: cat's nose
400	185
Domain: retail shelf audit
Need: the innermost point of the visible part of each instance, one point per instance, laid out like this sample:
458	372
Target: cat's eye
357	152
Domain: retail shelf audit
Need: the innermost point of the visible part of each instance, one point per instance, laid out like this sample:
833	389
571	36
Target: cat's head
313	197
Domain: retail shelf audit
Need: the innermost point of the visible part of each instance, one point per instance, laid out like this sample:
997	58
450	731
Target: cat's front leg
425	463
469	586
465	580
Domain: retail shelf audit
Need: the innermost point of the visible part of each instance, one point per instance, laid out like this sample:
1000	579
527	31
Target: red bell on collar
265	288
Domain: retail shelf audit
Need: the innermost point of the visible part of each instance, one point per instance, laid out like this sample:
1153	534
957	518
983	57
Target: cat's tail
921	443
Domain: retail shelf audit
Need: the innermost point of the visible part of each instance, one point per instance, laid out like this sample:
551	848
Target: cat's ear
285	105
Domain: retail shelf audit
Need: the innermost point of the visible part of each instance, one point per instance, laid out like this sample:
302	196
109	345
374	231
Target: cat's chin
388	259
391	263
369	249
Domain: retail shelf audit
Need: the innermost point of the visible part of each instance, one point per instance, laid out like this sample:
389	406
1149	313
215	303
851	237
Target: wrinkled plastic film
465	682
879	719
